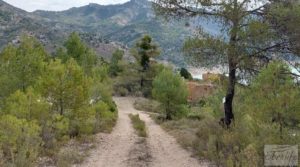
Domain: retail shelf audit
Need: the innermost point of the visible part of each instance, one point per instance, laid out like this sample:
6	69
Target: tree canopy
246	44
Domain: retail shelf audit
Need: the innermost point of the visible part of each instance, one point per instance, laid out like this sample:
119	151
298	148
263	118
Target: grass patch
148	105
183	130
139	125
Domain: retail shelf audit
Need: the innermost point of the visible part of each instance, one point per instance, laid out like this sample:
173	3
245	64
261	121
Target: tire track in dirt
123	148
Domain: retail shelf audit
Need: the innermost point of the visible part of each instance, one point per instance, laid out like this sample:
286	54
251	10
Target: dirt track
123	148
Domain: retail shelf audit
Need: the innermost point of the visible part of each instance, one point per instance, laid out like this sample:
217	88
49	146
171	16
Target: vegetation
148	105
266	107
144	51
245	45
138	125
186	74
115	61
171	91
135	78
124	23
47	100
127	82
284	18
266	112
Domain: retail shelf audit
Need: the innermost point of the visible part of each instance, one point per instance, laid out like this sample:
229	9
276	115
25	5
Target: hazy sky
56	5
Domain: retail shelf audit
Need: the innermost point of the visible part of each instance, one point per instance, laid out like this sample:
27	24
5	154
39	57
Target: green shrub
122	91
82	122
28	105
53	131
19	141
105	118
60	125
181	111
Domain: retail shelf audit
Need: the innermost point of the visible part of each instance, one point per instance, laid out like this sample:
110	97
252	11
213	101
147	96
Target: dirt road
123	148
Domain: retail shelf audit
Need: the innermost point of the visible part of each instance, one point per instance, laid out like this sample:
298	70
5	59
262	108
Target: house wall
198	91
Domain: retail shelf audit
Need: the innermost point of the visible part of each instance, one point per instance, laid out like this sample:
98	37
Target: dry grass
138	125
70	153
148	105
183	130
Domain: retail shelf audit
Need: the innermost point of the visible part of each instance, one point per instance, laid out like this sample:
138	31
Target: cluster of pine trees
47	99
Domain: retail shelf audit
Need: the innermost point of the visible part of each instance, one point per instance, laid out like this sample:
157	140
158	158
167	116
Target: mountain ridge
122	23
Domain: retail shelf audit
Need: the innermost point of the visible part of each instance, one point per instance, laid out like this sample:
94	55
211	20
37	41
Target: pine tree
78	50
170	89
145	50
273	98
115	68
246	43
22	66
65	86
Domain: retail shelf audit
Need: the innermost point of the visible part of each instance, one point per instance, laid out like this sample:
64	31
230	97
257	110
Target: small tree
65	86
171	90
78	50
186	74
75	47
114	67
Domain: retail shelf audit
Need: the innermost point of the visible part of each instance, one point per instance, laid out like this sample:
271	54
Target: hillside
100	25
14	22
124	23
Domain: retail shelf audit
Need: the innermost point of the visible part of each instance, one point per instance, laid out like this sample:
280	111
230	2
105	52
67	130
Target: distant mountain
99	25
15	22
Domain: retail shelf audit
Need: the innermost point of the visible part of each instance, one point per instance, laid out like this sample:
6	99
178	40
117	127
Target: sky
56	5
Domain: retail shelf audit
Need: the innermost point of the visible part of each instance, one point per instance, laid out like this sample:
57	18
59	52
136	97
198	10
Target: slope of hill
122	23
15	22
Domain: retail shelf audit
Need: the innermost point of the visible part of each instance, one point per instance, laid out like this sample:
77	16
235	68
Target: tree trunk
168	112
229	116
168	115
142	82
61	106
232	56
